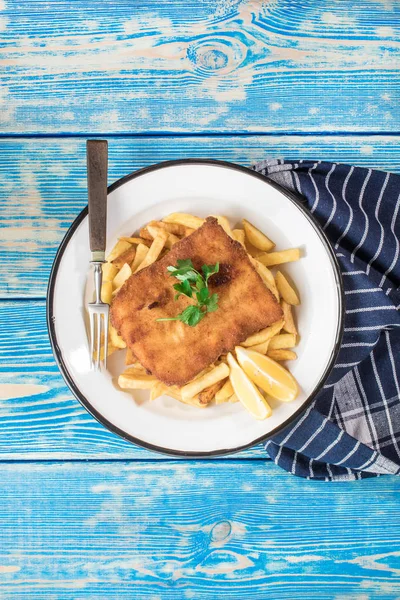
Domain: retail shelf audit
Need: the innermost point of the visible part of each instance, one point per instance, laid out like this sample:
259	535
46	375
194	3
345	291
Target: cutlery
97	160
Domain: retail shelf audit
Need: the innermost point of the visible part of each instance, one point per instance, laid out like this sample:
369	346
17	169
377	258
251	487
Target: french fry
171	391
266	276
170	240
225	392
122	276
145	234
106	292
282	355
120	247
175	392
136	240
289	325
188	231
138	366
115	339
251	251
126	257
269	259
256	237
286	290
110	350
109	271
205	381
130	358
261	348
284	340
208	394
132	379
263	335
184	219
223	401
154	250
163	252
157	390
233	399
141	252
174	228
223	221
239	236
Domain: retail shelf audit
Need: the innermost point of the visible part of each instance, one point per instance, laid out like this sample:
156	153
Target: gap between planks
164	459
199	134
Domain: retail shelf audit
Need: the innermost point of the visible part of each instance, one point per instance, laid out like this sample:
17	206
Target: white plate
201	188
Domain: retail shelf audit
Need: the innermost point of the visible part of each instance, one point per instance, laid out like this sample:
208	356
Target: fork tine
98	342
105	319
91	320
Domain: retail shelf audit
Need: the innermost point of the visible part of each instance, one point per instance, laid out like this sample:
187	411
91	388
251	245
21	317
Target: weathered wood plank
43	184
213	66
39	417
198	530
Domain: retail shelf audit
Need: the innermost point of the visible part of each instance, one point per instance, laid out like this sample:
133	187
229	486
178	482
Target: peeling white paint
274	106
108	117
143	113
58	169
151	21
9	391
214	115
114	489
385	31
271	499
23	232
304	558
331	18
90	24
246	487
68	115
9	569
367	150
374	563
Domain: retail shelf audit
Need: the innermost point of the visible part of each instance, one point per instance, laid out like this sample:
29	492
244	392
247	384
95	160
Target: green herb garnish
193	284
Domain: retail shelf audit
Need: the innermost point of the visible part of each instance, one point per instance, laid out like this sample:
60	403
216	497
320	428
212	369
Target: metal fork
97	159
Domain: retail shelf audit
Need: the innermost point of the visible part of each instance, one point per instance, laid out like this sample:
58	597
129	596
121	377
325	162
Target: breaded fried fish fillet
171	350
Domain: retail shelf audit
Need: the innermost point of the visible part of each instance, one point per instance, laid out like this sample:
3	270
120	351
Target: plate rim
57	353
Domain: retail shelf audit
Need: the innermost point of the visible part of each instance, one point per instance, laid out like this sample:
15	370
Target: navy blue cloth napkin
352	429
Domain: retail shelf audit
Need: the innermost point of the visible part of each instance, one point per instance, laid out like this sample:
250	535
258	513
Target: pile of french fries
131	254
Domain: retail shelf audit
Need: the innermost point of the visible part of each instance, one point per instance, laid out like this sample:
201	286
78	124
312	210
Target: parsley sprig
193	285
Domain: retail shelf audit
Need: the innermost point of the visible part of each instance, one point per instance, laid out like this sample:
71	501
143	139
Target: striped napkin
352	429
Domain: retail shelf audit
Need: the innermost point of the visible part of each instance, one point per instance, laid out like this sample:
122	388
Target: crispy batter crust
172	351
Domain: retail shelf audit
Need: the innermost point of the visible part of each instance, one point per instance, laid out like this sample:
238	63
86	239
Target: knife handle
97	160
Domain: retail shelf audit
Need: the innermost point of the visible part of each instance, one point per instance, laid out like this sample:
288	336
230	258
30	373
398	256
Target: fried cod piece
172	351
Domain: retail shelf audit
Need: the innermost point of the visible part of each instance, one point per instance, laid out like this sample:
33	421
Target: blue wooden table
83	514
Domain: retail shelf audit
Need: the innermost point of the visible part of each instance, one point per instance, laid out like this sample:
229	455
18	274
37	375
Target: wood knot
216	56
220	531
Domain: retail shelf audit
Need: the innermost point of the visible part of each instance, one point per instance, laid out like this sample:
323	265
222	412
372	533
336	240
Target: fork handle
97	159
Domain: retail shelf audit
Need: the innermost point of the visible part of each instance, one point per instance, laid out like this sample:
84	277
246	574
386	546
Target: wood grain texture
194	531
39	417
215	65
43	184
